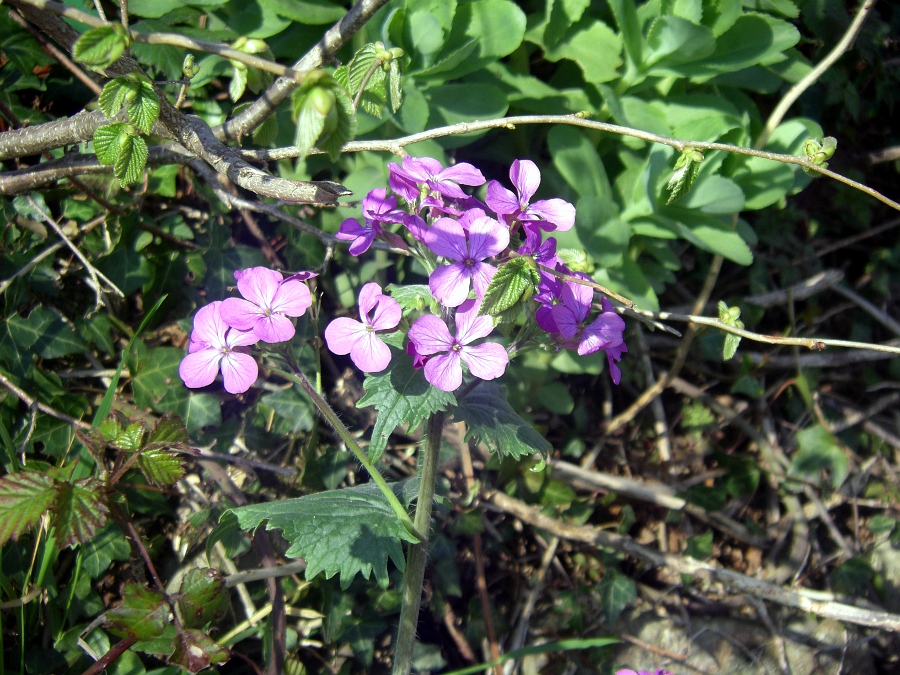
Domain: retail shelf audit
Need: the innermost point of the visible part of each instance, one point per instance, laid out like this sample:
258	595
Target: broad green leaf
819	452
708	233
401	395
199	411
238	83
112	97
130	162
45	334
143	108
195	651
720	15
79	510
491	419
106	141
514	282
346	532
153	373
309	12
617	591
24	498
130	438
359	67
465	102
100	47
107	545
168	430
153	9
203	597
576	158
594	47
294	406
714	195
673	40
630	28
143	614
604	235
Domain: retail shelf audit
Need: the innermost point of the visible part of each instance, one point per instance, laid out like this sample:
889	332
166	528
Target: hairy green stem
331	417
418	553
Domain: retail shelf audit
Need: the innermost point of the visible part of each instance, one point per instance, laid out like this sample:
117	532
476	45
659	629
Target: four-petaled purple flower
377	208
267	305
358	338
215	345
447	238
545	214
406	180
431	338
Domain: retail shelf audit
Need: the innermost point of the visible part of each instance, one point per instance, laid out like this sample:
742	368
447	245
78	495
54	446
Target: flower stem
331	417
418	553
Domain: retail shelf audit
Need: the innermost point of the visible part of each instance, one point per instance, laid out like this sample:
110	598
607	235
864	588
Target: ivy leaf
24	498
513	283
731	317
687	168
106	141
819	453
107	545
100	47
195	651
132	158
203	597
346	532
490	418
79	510
401	395
617	591
143	614
143	104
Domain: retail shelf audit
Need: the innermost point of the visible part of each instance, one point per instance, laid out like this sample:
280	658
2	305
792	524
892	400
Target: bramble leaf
100	47
169	430
160	466
195	650
203	597
346	532
401	395
514	282
79	510
143	614
490	418
24	498
687	168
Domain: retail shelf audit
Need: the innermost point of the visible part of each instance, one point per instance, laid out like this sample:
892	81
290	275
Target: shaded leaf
818	453
195	650
203	597
617	591
79	510
24	498
143	614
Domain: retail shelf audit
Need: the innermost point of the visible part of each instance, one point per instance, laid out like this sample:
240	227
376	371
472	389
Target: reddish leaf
196	650
24	498
79	511
143	614
203	597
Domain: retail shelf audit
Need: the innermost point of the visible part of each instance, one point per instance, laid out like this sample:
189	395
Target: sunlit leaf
100	47
24	498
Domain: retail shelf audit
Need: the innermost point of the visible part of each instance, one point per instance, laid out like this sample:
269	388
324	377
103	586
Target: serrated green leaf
490	418
143	614
203	597
729	349
616	592
113	96
79	510
100	47
24	498
131	438
731	317
346	532
266	133
106	142
401	395
195	651
132	158
168	429
514	282
358	68
107	545
160	466
143	109
238	83
346	124
687	168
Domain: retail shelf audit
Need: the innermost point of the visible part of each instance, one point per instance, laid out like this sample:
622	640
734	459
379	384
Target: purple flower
564	304
268	303
215	345
546	214
627	671
406	180
377	208
447	238
430	336
366	349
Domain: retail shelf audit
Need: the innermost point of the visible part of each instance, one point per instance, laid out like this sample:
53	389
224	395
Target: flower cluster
462	240
223	330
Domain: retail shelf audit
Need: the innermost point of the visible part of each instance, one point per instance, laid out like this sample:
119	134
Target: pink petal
387	314
502	201
463	173
525	175
292	299
239	313
200	368
557	211
351	229
274	328
444	371
481	279
240	338
239	372
259	285
368	297
487	238
450	284
470	326
370	354
447	238
209	326
342	333
430	335
487	361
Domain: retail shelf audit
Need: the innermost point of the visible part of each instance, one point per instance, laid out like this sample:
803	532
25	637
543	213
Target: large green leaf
294	406
309	12
594	47
143	614
673	40
107	545
401	395
491	419
79	510
346	532
45	334
153	373
707	232
603	234
24	498
203	597
576	158
454	103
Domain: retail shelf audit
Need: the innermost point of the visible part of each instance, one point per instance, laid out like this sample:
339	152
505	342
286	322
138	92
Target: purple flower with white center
447	238
545	214
406	180
358	338
443	369
215	345
268	302
377	208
